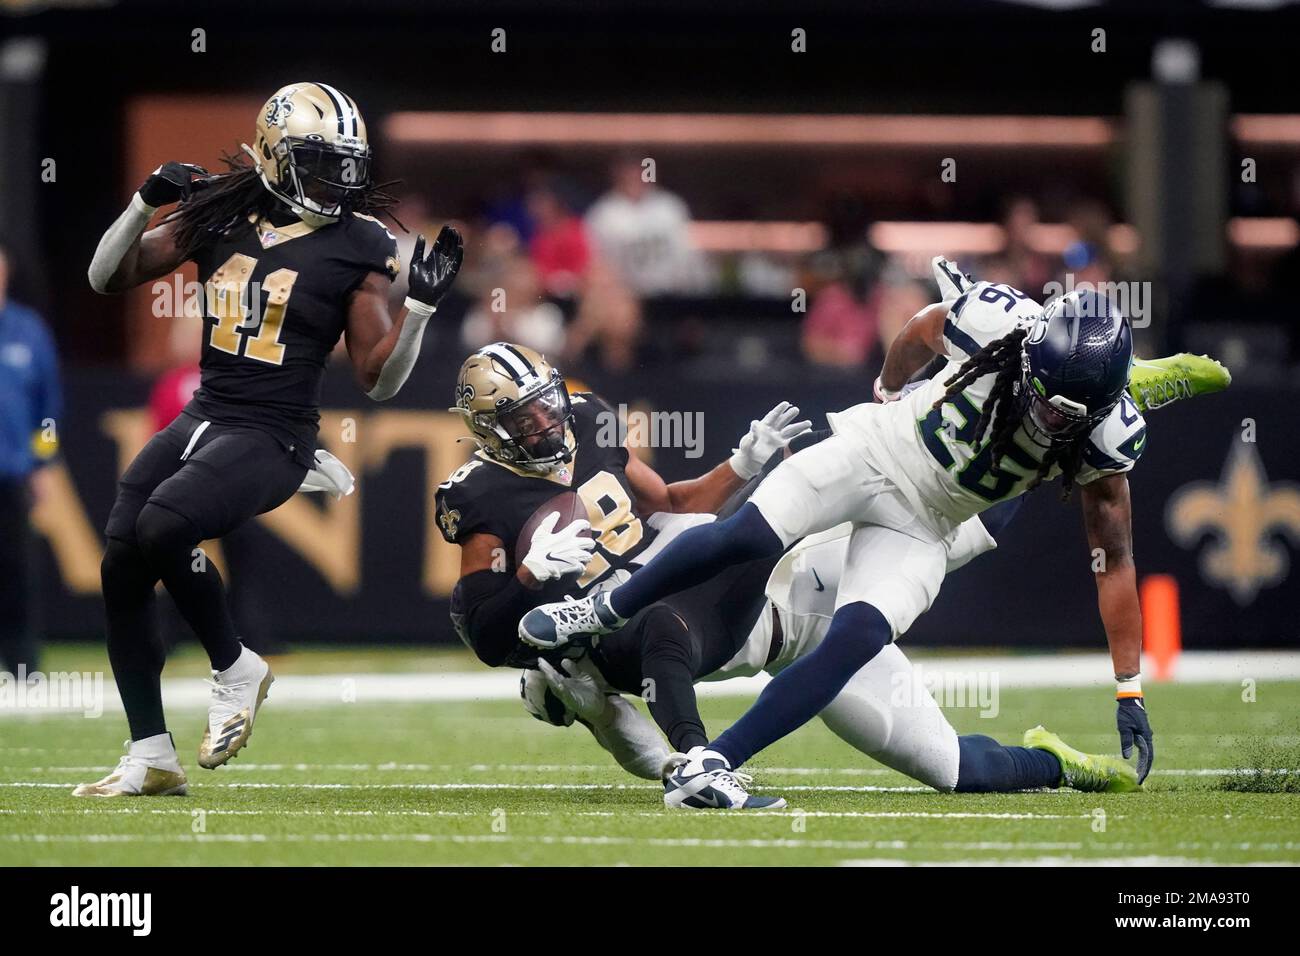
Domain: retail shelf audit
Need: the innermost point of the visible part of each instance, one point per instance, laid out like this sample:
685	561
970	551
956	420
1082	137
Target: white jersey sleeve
1115	445
985	313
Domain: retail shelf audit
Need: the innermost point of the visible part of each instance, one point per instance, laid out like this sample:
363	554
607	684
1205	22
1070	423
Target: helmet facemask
1053	419
322	178
533	431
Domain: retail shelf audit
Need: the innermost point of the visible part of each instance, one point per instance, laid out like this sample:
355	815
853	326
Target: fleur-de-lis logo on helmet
279	108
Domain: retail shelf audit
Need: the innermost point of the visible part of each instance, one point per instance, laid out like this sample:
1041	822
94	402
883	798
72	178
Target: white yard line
595	768
656	814
471	786
544	839
670	843
1010	671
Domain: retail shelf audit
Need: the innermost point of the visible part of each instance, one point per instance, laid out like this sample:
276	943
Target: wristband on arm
885	395
1128	685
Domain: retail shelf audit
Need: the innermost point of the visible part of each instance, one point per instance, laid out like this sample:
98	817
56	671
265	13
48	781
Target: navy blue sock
696	555
804	689
988	767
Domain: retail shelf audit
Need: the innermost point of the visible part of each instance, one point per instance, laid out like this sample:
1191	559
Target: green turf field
482	783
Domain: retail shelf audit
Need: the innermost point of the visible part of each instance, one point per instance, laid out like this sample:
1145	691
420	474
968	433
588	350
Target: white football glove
577	690
553	554
765	438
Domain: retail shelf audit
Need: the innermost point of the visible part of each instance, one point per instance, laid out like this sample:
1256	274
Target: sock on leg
805	688
158	748
135	651
988	767
246	667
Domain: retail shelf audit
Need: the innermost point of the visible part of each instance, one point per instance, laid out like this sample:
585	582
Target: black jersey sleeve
595	422
465	505
375	247
485	610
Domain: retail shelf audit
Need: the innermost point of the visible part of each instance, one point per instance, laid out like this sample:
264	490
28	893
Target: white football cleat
702	780
551	626
150	768
237	695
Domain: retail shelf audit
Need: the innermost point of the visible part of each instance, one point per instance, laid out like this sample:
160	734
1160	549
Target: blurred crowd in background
609	277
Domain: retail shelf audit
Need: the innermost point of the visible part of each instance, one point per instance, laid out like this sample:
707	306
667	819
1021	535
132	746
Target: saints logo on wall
1246	516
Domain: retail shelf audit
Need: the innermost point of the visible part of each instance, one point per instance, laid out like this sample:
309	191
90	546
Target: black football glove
1134	728
169	183
429	279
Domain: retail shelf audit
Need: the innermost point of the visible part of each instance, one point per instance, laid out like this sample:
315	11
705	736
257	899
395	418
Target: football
570	507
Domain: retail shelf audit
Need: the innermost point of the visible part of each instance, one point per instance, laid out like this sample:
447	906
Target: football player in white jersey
1029	394
885	710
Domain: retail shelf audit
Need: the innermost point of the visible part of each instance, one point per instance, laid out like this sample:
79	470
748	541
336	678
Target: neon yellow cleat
1155	383
1094	773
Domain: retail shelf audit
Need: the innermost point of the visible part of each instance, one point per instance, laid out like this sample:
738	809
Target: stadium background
810	170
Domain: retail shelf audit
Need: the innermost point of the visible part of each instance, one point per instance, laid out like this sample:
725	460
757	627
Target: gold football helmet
516	406
311	151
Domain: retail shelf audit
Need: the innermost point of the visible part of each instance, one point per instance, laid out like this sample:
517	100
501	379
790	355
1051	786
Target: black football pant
194	481
17	640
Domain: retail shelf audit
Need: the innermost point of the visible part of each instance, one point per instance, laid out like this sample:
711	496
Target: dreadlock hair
217	203
1003	356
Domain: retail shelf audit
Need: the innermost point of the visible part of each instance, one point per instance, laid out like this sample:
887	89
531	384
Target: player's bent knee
122	563
666	638
858	632
663	628
163	532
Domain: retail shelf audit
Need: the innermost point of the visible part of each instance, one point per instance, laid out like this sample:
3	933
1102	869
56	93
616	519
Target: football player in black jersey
536	441
290	260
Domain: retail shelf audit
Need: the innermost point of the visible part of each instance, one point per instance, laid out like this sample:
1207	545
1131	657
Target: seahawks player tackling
883	711
1029	394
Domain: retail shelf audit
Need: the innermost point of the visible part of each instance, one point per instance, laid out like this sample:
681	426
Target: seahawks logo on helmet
1038	330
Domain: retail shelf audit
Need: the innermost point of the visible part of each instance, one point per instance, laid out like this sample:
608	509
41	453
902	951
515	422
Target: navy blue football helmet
1075	365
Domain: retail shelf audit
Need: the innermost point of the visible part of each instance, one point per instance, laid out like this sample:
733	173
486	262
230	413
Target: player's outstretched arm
127	255
1108	519
920	340
709	492
383	352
